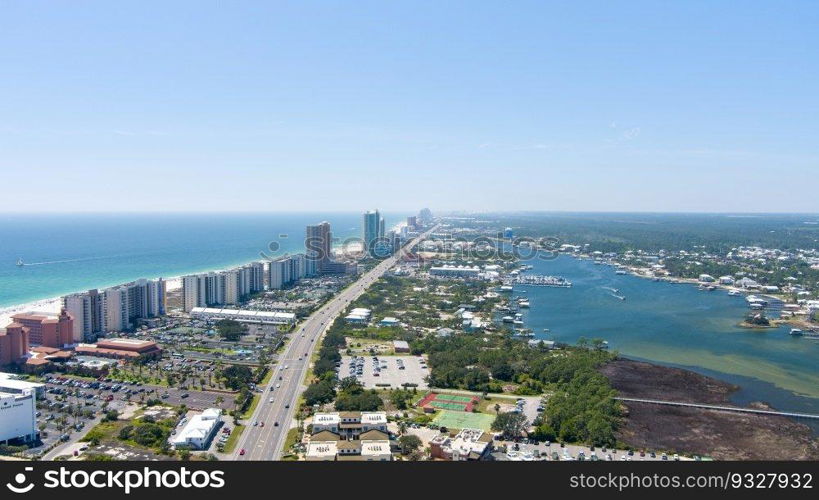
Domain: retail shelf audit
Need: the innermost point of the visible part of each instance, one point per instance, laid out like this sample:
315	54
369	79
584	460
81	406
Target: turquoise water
80	251
675	324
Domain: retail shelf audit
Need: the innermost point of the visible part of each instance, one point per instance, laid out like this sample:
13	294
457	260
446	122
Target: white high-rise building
190	293
115	311
278	273
223	287
230	280
78	305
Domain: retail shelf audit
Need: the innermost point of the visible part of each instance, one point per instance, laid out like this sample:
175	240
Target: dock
735	409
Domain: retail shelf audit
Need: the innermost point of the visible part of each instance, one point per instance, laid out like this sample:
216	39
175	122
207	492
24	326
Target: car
261	424
271	400
242	451
255	423
278	385
275	424
287	406
184	395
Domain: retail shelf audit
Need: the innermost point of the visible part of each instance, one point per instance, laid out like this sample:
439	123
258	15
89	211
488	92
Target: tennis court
463	420
443	405
454	398
448	402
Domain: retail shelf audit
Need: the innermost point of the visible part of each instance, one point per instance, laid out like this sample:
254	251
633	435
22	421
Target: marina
675	325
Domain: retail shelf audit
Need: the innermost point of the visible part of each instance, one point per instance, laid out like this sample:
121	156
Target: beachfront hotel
222	287
114	309
47	329
14	343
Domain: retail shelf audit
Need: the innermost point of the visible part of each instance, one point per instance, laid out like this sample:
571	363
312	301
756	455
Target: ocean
676	325
73	252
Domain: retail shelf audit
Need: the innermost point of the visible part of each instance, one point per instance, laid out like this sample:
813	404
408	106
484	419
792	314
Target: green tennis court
443	405
454	398
464	420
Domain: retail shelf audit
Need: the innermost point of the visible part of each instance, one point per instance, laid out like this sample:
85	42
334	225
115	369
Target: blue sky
235	106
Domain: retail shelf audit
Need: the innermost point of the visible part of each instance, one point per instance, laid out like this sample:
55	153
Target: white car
271	400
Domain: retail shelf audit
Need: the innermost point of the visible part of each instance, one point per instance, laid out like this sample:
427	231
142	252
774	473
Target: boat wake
20	263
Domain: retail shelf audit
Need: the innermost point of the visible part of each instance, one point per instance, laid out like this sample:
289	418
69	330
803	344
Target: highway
266	440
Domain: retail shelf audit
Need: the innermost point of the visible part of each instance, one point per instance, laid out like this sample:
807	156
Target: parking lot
96	392
385	371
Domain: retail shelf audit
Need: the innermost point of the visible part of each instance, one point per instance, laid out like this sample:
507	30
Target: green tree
510	424
409	443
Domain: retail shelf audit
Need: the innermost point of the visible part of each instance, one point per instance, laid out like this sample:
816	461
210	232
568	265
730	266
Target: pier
720	408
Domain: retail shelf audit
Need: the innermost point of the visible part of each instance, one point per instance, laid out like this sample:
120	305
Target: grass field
463	420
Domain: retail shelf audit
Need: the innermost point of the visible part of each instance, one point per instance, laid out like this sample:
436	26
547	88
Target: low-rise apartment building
350	424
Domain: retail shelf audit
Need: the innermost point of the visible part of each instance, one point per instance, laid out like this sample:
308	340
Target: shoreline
173	284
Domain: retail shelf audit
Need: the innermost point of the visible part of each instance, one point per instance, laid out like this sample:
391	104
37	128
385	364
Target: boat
796	332
546	330
20	262
508	319
733	293
620	271
523	303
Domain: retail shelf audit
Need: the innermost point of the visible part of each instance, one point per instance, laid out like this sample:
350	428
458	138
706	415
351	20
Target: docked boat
523	303
620	271
508	319
734	293
796	332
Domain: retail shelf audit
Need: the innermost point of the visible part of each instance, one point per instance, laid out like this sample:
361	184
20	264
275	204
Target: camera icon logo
20	480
